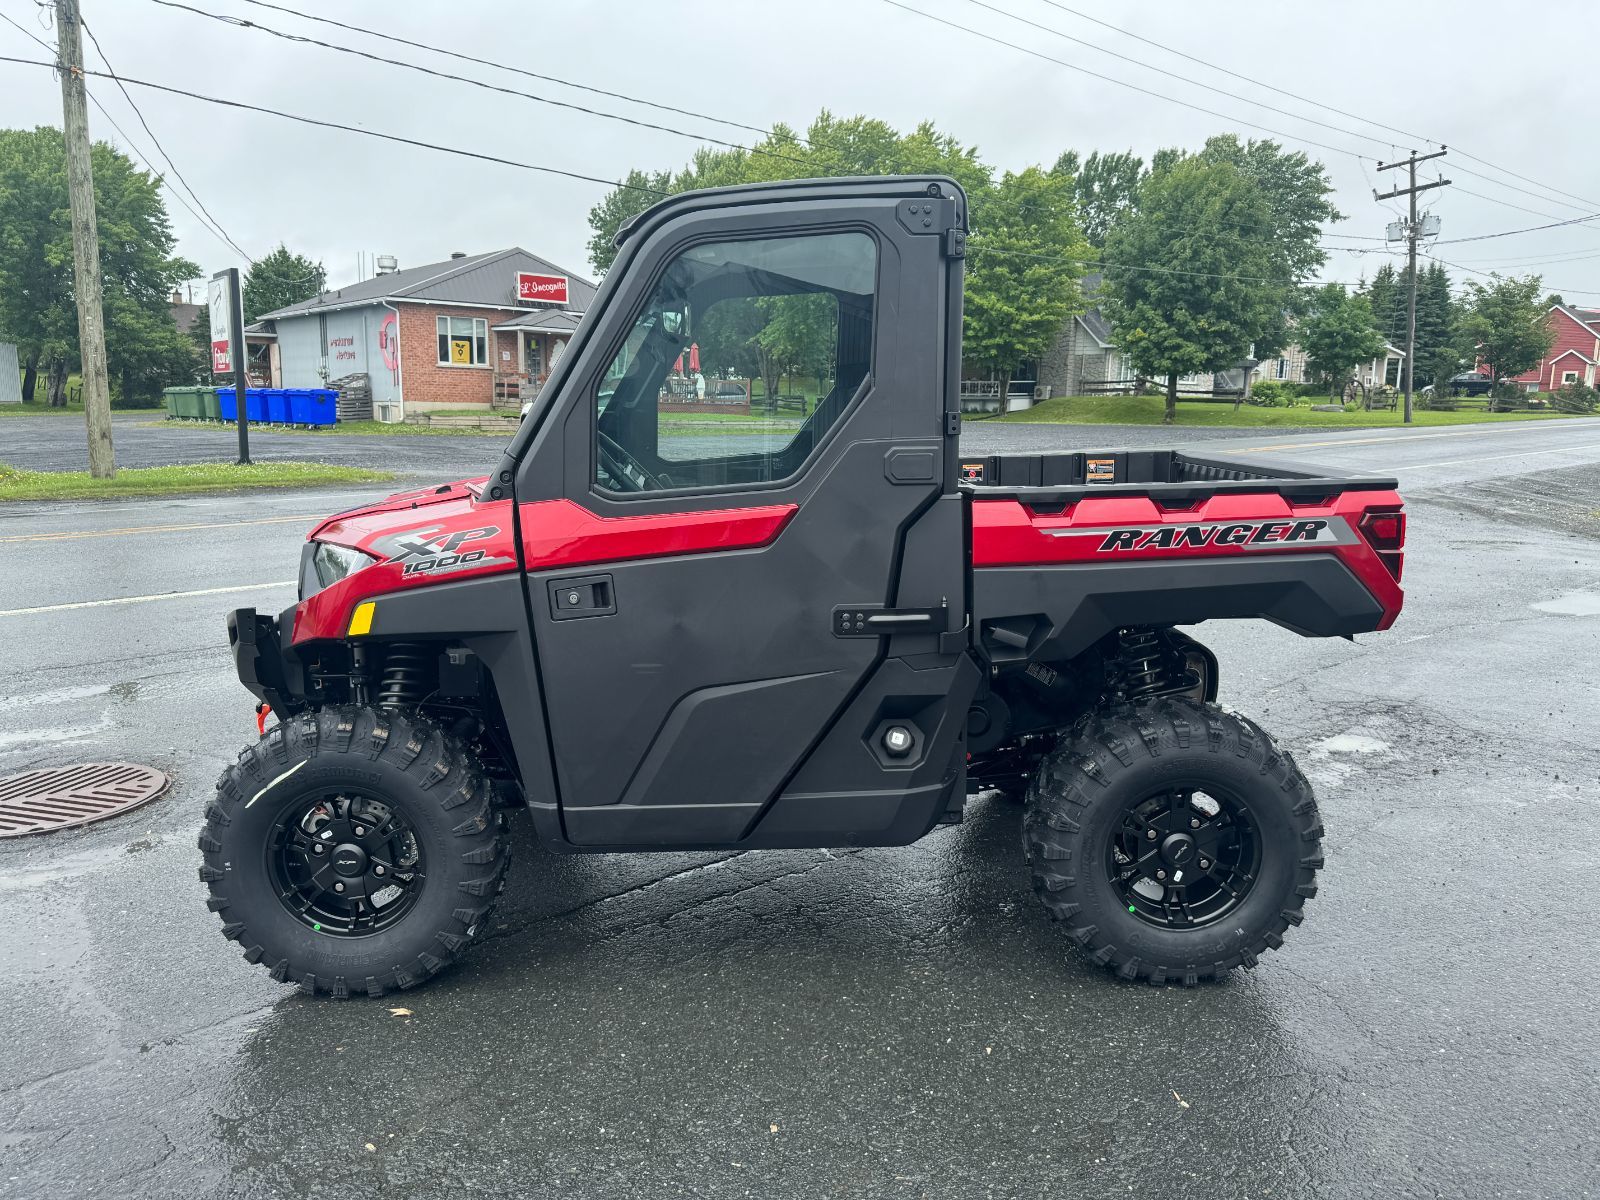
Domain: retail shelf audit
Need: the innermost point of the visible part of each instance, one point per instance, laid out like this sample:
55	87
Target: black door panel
711	701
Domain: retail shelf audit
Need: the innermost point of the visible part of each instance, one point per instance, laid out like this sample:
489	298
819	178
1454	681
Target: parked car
1470	383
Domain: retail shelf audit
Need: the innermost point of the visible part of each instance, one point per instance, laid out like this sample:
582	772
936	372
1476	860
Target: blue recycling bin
228	404
312	406
275	403
255	406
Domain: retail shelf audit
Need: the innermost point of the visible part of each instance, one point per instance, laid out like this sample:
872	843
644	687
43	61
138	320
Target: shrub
1506	396
1271	393
1436	401
1575	398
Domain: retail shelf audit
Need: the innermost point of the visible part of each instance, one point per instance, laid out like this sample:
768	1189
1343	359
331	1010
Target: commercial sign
541	289
221	315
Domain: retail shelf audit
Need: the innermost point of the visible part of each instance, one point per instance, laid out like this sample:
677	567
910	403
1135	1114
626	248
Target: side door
743	543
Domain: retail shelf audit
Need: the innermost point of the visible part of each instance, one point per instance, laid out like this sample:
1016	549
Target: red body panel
447	534
1007	533
559	533
436	535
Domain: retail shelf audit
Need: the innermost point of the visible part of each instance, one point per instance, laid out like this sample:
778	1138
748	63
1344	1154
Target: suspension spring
1144	674
405	676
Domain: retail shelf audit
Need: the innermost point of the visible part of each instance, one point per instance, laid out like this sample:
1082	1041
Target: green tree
1438	339
621	205
1032	221
1104	186
1022	274
1386	294
1338	332
279	279
138	267
1191	274
1504	322
1298	194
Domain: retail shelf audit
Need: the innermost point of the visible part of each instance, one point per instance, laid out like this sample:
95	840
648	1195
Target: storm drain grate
62	797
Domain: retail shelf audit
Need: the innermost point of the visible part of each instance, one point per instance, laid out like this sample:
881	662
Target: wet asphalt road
856	1023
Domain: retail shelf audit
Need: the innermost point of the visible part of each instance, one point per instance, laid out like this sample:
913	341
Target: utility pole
85	242
1413	233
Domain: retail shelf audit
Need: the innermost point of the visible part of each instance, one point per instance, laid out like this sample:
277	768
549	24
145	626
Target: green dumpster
210	406
188	402
170	395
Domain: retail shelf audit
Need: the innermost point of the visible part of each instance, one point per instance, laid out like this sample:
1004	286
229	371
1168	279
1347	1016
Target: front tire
353	851
1121	818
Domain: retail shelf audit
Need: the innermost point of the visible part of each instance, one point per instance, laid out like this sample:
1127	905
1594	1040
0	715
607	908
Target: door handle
874	620
582	596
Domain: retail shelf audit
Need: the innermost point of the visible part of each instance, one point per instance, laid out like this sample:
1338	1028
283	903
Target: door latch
874	620
582	596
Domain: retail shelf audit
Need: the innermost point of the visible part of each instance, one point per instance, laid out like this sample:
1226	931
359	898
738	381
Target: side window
742	358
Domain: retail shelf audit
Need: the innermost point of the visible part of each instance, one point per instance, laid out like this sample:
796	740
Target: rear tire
386	808
1112	806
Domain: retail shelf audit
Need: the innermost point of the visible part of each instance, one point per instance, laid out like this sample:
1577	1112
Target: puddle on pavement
56	696
1348	743
1573	604
1334	759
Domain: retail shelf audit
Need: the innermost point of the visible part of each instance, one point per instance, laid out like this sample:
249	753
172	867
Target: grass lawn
41	409
17	484
1148	410
343	427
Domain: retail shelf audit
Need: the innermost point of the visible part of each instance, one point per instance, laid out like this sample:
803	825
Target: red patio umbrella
677	366
694	356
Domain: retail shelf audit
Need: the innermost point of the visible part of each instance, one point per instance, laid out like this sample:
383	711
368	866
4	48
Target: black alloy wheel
1184	857
345	865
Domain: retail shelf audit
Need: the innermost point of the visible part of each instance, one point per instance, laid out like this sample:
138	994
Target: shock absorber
1143	671
405	676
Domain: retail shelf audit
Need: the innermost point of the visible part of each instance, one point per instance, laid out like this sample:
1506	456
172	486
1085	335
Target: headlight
333	563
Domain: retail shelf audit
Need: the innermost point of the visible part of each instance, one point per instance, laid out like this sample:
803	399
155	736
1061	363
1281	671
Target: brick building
473	331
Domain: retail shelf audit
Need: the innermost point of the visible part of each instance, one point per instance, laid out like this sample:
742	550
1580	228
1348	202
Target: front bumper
264	657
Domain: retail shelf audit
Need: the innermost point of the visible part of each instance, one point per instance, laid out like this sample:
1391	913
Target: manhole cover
62	797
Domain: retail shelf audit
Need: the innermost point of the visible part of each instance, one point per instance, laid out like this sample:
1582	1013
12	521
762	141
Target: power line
132	145
242	23
1123	83
1167	74
160	149
1483	237
1410	136
1514	188
484	62
1493	275
373	133
1235	74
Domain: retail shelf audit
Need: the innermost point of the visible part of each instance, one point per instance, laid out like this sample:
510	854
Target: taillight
1385	532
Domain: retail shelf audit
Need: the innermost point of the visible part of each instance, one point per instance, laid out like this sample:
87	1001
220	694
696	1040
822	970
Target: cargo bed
1167	475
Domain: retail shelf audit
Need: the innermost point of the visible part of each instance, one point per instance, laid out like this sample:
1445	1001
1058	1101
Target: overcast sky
1486	79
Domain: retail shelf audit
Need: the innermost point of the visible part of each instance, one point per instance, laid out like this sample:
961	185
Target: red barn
1573	356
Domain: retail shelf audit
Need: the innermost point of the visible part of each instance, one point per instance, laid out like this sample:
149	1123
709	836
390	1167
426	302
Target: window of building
775	331
1569	377
1283	368
463	341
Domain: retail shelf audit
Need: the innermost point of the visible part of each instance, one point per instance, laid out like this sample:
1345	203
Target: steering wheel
626	473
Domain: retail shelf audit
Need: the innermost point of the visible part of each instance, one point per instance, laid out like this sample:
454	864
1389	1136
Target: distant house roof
1099	328
1589	318
1576	354
544	320
184	315
488	280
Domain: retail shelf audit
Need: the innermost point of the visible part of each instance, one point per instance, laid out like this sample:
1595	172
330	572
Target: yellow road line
67	536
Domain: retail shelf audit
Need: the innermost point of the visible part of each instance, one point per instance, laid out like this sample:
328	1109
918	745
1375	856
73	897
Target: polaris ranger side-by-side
826	628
